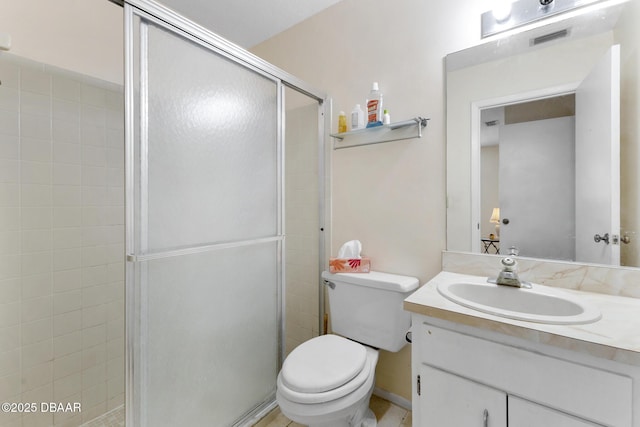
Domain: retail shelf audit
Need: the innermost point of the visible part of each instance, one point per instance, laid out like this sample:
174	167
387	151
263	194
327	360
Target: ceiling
247	22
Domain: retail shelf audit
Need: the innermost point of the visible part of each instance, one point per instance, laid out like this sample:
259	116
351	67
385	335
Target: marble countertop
616	336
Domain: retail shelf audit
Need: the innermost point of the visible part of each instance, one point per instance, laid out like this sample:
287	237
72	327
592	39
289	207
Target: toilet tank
367	307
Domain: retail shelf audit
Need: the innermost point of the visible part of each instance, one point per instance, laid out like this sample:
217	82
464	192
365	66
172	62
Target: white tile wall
61	241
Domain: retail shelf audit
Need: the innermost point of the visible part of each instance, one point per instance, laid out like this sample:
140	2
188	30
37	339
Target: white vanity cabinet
467	376
451	400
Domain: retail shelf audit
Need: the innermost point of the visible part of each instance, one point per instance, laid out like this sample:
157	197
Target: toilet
328	380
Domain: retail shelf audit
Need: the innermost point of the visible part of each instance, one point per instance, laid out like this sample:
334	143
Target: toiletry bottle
374	107
357	118
386	118
342	122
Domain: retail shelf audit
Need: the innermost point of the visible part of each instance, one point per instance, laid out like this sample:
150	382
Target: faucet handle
509	263
513	251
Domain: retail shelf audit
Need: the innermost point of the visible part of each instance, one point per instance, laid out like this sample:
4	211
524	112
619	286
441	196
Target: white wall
85	36
389	196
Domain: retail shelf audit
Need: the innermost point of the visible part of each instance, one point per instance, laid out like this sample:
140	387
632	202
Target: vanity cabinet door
523	413
447	400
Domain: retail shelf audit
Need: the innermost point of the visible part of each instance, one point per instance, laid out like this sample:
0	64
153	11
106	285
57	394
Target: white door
537	188
598	161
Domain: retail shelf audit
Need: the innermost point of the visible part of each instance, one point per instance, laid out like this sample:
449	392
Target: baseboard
393	398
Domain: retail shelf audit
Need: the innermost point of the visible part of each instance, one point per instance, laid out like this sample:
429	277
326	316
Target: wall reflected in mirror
526	123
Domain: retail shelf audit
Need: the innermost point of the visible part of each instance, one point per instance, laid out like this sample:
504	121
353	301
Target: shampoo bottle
386	118
374	107
342	122
357	118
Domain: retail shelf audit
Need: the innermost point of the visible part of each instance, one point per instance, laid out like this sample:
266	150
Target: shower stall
221	213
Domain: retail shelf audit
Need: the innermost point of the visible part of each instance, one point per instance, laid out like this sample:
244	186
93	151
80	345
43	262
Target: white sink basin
539	304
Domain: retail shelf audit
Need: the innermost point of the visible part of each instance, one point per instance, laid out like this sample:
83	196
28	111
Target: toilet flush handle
329	284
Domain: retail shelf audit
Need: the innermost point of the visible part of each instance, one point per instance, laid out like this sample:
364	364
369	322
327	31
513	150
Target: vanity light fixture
502	10
507	16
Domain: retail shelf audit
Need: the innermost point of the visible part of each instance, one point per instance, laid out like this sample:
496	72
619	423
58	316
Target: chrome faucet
508	275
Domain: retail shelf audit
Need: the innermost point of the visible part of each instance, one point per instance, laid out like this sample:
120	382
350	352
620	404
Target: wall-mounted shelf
398	131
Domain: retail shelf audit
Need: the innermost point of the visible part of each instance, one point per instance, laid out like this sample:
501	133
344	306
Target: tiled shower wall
61	242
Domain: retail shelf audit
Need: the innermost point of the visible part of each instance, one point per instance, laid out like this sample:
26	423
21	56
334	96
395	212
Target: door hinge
418	385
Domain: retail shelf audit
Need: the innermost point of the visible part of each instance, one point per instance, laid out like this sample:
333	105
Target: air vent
549	37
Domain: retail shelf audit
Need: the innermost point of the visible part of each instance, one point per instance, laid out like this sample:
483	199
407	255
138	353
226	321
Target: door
536	188
598	161
560	181
447	400
204	229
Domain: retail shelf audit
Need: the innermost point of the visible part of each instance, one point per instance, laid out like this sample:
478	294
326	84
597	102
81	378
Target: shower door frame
151	11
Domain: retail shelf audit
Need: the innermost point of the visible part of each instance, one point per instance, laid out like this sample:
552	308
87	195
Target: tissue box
349	265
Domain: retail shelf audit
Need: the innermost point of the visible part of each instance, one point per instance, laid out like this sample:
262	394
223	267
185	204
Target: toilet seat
323	363
324	368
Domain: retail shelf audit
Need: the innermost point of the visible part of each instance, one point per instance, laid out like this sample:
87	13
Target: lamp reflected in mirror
495	219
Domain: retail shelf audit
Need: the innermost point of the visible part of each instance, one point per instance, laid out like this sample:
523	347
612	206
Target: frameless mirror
543	139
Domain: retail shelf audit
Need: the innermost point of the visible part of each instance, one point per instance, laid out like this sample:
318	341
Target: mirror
535	130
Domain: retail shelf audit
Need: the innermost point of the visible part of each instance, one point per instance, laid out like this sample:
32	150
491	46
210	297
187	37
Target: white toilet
328	380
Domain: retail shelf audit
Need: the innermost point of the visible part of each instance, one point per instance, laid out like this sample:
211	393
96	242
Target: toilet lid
323	363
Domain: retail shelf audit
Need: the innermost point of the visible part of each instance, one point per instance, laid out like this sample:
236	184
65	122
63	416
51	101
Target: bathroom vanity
474	368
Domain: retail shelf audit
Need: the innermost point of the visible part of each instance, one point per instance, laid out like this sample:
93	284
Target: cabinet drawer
583	391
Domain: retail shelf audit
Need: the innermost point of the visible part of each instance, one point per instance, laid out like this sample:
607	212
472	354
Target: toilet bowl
327	382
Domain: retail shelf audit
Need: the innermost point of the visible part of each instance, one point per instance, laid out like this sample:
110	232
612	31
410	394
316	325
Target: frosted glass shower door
204	270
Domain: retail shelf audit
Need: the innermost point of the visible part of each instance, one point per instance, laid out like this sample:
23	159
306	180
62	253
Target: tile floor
388	415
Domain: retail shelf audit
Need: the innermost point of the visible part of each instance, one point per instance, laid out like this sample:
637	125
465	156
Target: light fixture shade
502	10
495	216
